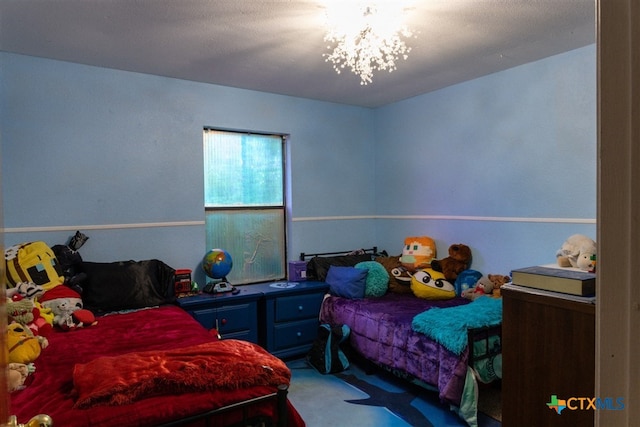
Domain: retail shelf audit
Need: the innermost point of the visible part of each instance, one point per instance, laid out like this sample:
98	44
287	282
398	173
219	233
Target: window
244	202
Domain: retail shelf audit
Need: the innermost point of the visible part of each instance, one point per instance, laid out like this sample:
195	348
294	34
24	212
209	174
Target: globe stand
222	286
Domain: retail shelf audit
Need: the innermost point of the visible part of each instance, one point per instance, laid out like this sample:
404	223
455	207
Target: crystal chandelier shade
366	38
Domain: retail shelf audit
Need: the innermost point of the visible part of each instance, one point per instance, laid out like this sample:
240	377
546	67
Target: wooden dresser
548	349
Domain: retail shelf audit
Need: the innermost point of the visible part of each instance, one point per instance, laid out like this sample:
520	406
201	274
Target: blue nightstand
280	316
289	317
235	316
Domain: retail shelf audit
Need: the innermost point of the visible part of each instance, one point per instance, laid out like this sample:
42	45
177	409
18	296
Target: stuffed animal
22	345
498	281
399	277
42	319
17	374
430	284
466	280
577	251
489	285
20	310
32	261
459	259
30	314
27	290
67	307
417	252
481	289
69	260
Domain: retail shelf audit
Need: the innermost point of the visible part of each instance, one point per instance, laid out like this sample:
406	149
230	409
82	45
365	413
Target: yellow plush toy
23	346
430	284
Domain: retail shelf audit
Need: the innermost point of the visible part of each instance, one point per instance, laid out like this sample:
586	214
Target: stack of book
554	278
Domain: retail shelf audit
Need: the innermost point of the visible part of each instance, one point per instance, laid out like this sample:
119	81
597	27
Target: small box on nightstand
182	281
297	271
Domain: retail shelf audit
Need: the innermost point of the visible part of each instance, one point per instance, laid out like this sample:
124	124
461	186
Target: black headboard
372	251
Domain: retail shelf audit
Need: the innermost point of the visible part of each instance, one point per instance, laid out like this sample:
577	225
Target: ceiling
277	46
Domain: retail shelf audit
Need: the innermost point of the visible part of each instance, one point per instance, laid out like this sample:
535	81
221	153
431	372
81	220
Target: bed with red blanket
150	365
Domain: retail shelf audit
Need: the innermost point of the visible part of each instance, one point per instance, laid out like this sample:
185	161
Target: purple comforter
381	332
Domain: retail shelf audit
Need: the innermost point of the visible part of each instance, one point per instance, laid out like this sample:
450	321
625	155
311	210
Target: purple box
297	271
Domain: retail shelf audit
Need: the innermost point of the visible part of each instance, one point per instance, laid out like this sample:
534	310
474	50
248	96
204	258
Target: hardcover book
557	279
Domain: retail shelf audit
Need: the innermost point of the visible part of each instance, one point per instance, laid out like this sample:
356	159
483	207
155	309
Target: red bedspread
50	389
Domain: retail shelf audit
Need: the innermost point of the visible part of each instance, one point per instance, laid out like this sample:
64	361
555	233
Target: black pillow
318	267
127	285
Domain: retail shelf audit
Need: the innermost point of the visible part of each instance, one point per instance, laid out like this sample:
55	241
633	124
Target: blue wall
505	163
118	155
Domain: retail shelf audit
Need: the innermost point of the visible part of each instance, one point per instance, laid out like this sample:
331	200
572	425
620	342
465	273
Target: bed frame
482	343
268	407
483	335
280	401
304	256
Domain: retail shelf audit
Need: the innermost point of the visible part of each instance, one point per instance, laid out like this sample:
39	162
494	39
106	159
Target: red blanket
51	389
229	364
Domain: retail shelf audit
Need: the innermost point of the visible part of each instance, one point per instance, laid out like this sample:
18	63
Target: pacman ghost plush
430	284
418	252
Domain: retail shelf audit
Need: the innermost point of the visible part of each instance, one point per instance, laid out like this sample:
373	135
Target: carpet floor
354	398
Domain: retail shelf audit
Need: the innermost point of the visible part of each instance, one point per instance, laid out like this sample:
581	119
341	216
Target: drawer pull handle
300	308
224	321
299	334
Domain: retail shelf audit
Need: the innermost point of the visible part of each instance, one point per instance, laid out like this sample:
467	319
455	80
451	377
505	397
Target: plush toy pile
489	284
30	313
39	297
418	271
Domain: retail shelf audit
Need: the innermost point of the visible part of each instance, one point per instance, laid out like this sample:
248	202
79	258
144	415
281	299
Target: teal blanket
448	326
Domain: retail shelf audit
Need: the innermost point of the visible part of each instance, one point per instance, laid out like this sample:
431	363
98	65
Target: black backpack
326	355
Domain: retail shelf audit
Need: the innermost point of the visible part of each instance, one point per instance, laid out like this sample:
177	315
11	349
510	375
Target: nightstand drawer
292	334
231	318
298	307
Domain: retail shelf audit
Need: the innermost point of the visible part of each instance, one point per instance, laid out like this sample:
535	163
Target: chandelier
366	37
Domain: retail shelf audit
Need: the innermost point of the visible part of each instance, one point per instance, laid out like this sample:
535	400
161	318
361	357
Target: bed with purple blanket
425	341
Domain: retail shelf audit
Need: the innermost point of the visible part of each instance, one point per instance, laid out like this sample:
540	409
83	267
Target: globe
217	263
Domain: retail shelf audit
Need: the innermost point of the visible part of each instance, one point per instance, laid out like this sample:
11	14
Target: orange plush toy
417	252
459	259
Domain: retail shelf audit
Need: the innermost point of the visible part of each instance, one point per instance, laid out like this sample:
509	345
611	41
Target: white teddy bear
577	251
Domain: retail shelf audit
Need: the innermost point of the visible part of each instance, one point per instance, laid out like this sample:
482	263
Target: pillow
347	282
377	282
317	267
125	285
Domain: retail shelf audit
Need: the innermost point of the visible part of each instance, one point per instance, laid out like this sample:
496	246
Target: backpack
325	354
33	262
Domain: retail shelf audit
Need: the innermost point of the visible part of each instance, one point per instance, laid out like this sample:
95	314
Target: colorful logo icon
586	404
557	404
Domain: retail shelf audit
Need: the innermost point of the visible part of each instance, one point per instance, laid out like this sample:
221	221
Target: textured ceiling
277	46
